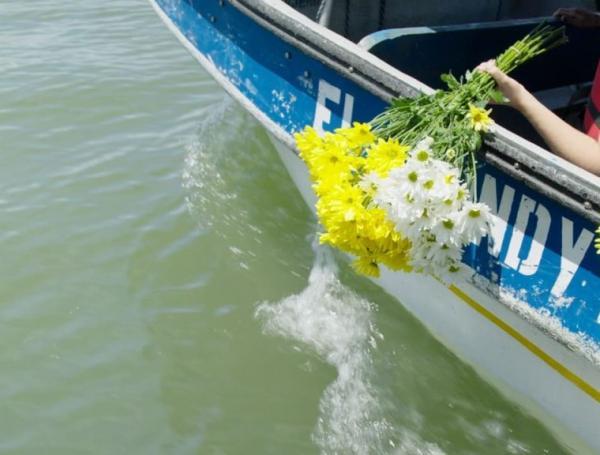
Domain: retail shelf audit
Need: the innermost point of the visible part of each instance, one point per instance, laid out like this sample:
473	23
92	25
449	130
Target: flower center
422	155
448	224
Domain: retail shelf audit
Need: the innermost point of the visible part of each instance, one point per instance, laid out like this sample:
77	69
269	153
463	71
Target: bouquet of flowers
399	190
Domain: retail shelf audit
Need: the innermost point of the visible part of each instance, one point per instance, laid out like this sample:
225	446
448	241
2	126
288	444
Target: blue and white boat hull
526	310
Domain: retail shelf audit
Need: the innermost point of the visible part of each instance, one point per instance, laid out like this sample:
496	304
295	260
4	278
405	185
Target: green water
155	263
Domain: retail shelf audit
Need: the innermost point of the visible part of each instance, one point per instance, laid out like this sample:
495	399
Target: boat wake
338	325
208	192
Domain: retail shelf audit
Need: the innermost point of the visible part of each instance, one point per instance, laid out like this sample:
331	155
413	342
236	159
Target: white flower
447	183
422	151
416	226
432	257
474	221
419	253
443	167
428	203
444	256
424	144
369	182
402	183
447	231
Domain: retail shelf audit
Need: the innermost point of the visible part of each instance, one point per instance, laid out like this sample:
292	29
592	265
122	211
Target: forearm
562	139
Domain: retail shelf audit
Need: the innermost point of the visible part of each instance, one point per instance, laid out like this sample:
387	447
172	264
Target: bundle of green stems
443	115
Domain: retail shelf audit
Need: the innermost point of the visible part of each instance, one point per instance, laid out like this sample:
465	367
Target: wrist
520	97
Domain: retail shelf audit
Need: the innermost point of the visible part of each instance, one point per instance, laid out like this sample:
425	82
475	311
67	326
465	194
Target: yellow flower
336	163
326	183
330	160
331	237
597	241
345	202
479	118
359	135
384	156
367	266
339	140
397	258
307	138
308	141
375	225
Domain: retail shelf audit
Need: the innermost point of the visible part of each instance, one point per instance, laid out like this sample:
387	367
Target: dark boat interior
427	38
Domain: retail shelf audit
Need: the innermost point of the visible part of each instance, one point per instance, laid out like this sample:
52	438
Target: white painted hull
490	346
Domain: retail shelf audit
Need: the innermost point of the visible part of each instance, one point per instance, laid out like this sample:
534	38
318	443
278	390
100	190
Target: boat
525	311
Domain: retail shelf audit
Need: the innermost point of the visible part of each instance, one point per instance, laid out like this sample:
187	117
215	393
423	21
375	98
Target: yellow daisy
366	265
479	118
359	135
384	156
330	160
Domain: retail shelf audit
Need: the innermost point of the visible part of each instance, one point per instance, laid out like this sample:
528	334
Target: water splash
208	192
337	324
224	165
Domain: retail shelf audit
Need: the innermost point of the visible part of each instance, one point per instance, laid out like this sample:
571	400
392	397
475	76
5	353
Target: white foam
337	324
201	177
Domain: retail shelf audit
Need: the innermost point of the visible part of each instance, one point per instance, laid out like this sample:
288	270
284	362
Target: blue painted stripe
282	82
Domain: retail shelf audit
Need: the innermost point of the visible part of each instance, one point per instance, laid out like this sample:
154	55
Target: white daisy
474	221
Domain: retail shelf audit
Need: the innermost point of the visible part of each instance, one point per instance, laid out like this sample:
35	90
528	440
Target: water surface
159	289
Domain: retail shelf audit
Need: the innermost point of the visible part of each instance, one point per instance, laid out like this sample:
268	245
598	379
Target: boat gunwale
538	168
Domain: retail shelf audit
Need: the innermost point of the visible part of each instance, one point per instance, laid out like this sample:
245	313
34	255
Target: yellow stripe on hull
529	345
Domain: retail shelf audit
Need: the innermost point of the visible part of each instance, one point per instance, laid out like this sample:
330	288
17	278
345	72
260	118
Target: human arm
562	139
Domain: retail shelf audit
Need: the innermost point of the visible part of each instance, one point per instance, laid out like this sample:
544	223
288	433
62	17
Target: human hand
509	87
578	17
